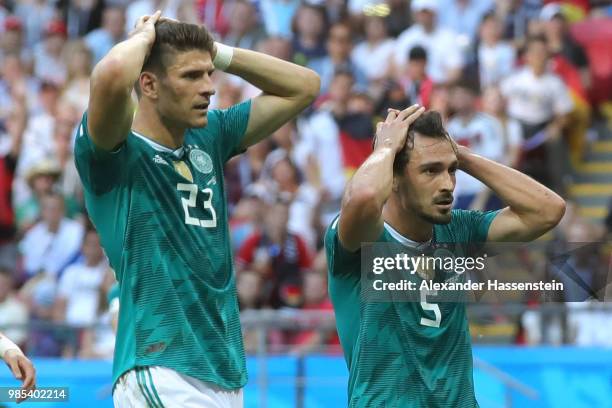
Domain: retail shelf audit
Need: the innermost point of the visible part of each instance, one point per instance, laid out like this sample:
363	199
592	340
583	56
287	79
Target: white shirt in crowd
321	140
80	286
495	63
49	251
443	51
535	100
13	312
463	17
483	134
373	61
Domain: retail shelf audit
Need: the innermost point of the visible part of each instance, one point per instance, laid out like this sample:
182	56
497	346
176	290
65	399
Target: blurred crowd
515	80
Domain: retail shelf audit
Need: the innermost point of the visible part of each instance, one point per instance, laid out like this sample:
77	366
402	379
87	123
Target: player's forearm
534	203
121	67
275	76
371	184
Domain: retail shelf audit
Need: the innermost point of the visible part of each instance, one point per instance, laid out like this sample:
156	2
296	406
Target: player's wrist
223	55
7	346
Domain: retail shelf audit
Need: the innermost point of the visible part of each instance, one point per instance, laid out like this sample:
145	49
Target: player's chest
194	165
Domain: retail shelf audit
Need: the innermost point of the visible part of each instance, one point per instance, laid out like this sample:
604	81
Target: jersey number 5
430	306
191	202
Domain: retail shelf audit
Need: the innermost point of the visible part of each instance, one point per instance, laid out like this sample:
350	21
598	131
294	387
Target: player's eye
193	75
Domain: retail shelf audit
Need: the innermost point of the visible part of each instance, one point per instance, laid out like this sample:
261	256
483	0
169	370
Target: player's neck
407	223
148	123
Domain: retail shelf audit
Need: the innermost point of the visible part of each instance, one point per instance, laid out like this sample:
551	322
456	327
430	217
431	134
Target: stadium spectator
561	42
516	16
99	341
483	135
139	8
78	65
278	256
244	30
48	63
319	144
373	55
440	101
399	17
10	149
78	290
540	101
249	287
15	73
278	16
42	178
316	298
493	59
309	27
444	56
494	104
14	313
38	136
463	17
339	46
81	16
102	39
284	177
54	242
35	15
277	47
12	41
416	83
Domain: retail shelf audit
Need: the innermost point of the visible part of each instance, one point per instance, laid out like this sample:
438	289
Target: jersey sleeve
100	170
339	259
231	127
474	224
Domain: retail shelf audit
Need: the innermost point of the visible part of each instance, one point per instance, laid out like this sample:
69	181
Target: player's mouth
444	203
201	107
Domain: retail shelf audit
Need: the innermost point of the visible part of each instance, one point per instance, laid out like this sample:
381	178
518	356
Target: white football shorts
162	387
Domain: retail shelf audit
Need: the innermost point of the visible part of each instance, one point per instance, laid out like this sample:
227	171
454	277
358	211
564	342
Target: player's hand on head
393	131
22	368
145	26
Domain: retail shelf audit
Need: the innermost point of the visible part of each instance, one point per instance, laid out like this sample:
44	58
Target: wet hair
172	37
428	124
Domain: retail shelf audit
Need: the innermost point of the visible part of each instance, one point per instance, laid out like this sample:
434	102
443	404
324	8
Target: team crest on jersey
201	161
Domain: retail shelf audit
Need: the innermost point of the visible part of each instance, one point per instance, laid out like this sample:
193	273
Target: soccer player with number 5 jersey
153	180
403	354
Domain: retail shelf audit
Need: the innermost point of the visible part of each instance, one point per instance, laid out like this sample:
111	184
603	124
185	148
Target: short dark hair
428	124
417	53
173	36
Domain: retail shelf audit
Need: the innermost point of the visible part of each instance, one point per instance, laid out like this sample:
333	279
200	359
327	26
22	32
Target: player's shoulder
466	226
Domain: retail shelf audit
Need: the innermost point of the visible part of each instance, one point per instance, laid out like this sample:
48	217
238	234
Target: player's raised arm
287	89
111	108
532	209
366	193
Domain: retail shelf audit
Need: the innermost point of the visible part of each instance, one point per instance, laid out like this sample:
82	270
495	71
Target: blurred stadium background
464	58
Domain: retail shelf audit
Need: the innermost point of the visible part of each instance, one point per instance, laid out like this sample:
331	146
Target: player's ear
148	84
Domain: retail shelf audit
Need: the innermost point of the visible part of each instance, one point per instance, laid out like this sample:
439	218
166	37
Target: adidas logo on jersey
159	160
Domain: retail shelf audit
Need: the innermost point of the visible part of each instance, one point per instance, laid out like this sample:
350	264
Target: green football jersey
404	354
162	219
